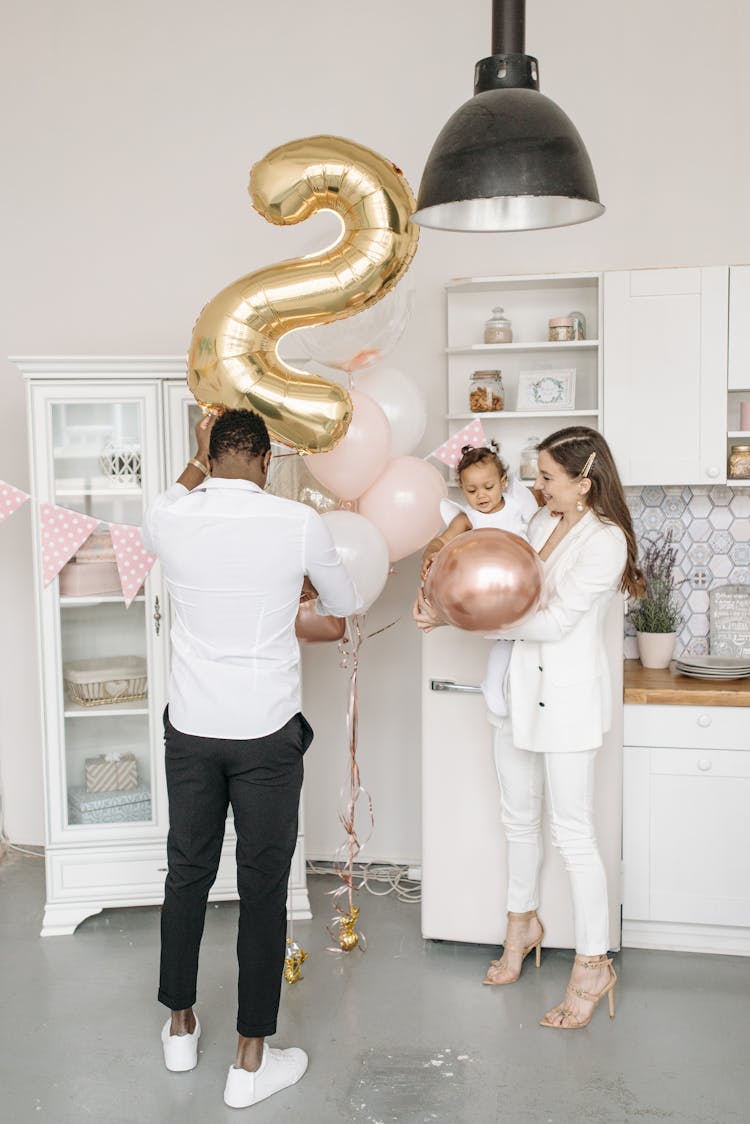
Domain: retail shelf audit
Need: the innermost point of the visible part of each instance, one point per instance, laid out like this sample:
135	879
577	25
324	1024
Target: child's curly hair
490	453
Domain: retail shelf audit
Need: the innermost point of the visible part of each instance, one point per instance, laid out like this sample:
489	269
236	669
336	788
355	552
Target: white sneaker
278	1070
180	1050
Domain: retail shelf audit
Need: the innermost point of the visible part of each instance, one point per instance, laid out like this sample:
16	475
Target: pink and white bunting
11	499
63	531
450	451
133	560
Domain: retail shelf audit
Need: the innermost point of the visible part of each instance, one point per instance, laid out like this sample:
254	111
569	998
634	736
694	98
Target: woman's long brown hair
571	448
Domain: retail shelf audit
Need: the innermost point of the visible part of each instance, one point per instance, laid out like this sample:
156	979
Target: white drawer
687	727
120	874
700	763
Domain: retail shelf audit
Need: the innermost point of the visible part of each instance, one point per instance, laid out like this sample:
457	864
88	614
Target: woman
560	708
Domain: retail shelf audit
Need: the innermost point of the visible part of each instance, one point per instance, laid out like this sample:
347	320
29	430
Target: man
235	559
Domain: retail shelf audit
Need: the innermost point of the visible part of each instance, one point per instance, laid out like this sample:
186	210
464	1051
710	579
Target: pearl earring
579	504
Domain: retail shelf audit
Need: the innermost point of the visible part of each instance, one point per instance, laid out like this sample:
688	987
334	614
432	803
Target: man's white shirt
233	557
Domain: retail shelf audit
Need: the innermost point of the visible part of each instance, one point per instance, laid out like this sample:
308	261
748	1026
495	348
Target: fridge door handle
450	685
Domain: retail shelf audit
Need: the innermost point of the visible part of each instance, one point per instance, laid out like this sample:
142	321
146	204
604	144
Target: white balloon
401	401
363	550
355	342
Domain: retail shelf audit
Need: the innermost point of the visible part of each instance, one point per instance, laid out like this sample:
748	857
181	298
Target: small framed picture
547	390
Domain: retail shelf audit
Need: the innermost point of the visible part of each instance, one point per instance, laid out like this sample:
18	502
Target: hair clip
587	467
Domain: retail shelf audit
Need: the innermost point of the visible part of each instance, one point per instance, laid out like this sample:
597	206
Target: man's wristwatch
199	464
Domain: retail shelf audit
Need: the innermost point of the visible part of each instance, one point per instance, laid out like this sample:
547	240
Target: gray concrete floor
402	1033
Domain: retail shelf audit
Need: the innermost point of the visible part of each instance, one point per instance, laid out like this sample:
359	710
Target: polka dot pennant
133	560
63	531
10	499
450	452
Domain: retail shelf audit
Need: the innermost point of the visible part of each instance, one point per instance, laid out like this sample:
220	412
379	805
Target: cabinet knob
704	764
712	471
704	720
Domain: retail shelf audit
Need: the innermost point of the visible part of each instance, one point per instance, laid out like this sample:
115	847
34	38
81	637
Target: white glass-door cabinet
106	436
547	384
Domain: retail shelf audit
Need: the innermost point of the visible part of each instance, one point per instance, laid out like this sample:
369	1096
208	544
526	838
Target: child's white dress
520	505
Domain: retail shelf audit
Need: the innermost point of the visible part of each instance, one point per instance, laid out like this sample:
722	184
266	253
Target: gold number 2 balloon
233	360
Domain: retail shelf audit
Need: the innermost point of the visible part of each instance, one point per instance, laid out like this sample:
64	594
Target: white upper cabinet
665	374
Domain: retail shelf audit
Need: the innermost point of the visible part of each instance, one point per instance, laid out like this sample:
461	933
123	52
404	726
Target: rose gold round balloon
484	580
312	628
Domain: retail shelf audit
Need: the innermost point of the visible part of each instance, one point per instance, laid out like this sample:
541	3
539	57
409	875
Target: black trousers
262	779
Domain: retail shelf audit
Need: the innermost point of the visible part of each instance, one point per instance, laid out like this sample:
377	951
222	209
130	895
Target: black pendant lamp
508	159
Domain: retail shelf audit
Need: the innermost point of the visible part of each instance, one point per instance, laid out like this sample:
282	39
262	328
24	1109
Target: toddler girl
496	499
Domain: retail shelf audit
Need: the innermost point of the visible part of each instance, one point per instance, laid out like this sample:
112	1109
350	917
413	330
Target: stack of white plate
713	667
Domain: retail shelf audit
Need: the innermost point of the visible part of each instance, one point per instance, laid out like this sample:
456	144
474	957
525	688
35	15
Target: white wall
128	134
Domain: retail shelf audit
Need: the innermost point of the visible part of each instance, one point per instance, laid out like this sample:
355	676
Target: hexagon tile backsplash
711	532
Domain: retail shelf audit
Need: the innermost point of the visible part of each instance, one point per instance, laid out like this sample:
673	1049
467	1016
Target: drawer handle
704	765
704	720
450	685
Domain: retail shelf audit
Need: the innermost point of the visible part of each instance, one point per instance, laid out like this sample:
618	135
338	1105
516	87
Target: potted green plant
655	615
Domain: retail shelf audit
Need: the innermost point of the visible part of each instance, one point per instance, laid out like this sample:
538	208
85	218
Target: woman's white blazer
558	678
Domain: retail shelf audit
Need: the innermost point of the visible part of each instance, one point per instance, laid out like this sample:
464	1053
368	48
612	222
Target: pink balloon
361	454
485	579
404	504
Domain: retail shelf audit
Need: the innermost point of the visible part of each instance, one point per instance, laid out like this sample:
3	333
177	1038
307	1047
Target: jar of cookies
486	392
739	462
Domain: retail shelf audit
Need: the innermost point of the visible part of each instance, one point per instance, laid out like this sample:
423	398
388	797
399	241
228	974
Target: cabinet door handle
704	720
704	765
712	471
450	685
157	616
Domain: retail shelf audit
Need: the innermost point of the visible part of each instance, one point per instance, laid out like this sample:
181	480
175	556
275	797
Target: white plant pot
656	648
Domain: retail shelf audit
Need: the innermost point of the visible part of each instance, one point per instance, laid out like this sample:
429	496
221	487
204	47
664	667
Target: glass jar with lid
498	328
486	392
561	329
739	462
528	466
579	325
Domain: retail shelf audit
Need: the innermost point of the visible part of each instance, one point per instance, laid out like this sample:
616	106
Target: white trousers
568	779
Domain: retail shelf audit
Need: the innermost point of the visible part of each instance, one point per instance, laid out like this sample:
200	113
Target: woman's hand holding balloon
423	614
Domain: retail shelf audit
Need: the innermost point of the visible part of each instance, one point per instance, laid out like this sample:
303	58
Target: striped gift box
111	772
109	807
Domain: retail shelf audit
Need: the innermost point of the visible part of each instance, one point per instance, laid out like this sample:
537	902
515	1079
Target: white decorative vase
656	648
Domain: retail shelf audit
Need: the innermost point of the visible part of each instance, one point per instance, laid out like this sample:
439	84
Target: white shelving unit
76	406
529	302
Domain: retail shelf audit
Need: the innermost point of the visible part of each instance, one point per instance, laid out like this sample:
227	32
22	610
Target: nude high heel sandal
570	1022
537	944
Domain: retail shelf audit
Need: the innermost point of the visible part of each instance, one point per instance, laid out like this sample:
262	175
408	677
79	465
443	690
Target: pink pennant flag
450	452
63	531
10	499
133	560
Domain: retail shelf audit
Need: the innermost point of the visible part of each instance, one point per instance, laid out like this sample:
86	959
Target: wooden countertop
667	687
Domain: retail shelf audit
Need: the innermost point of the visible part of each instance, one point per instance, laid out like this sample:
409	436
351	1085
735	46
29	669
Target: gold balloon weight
348	935
293	961
233	360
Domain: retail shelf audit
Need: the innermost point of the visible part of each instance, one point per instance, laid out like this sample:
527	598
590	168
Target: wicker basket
104	681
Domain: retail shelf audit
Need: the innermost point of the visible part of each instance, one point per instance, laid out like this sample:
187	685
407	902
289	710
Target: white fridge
463	846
